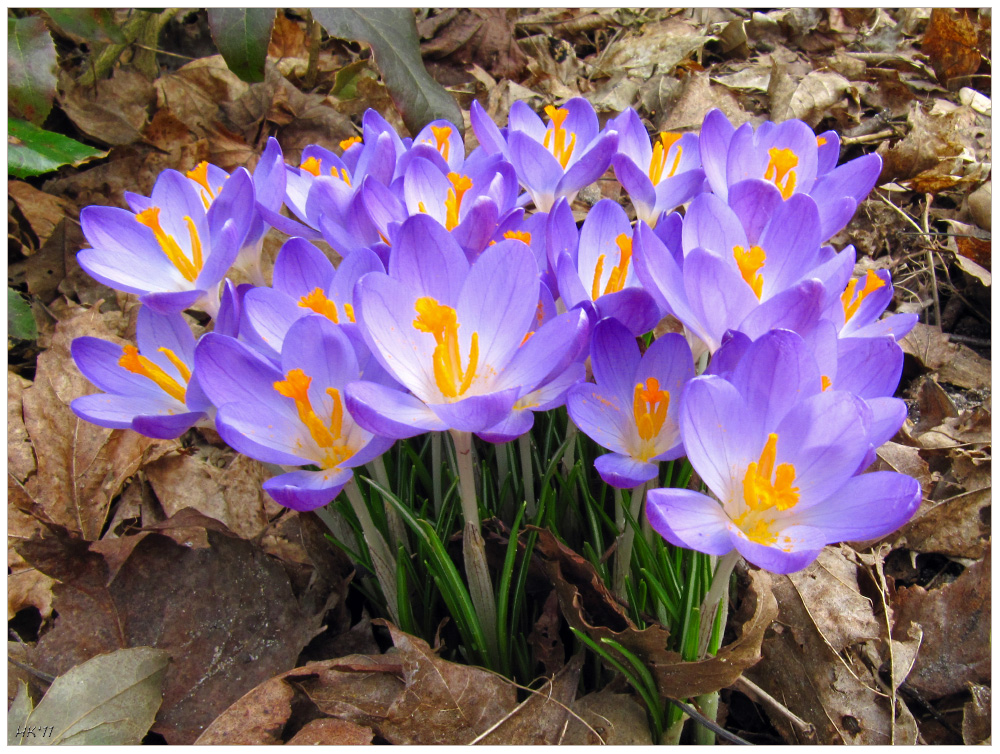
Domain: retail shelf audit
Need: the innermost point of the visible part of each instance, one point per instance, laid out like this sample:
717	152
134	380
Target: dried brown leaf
952	44
614	720
976	718
660	45
838	698
588	606
42	211
544	640
26	586
196	91
955	619
932	139
958	527
831	596
541	719
288	38
905	460
112	111
20	455
255	719
480	36
812	98
332	732
954	363
81	467
685	109
227	615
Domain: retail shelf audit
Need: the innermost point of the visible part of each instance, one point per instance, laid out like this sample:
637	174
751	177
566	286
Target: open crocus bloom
173	253
792	158
552	160
780	455
634	407
293	415
660	176
455	336
149	388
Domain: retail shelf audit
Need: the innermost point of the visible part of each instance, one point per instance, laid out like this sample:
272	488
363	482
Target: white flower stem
717	599
397	530
626	536
383	559
473	546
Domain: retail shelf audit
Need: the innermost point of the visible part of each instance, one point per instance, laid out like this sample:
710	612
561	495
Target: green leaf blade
20	320
242	36
392	34
32	150
91	24
31	68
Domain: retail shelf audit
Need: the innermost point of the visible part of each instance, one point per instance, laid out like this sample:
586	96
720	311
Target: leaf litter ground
118	541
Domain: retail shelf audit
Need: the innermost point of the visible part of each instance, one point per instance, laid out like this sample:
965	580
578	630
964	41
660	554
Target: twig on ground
745	686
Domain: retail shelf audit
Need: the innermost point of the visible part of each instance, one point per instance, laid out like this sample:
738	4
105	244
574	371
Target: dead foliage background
116	540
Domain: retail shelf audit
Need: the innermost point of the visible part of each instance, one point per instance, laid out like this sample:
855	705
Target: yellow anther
342	175
319	303
200	176
311	165
872	283
133	362
616	281
661	150
781	171
442	322
649	407
460	184
348	143
296	386
178	364
750	263
441	136
595	287
825	382
151	219
555	137
820	141
759	492
518	235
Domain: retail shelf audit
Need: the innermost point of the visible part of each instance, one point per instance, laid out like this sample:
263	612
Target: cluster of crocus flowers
467	299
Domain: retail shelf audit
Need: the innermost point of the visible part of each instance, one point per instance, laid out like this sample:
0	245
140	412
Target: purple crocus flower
305	283
660	177
172	253
599	273
633	408
780	455
293	415
455	336
150	388
792	158
554	160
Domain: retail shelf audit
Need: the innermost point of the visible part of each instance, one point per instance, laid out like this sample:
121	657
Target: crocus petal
225	248
754	201
888	415
537	169
321	350
689	519
118	411
230	372
477	412
633	141
633	307
428	261
307	490
263	434
98	359
389	413
710	224
268	313
548	351
614	358
623	471
674	191
599	416
173	302
235	202
300	268
710	403
589	167
515	424
487	133
637	185
523	118
131	272
718	296
824	437
855	179
800	545
713	144
868	367
166	427
154	331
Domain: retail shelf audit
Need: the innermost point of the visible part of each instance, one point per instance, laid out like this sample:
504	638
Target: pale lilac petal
225	249
710	405
623	471
428	261
600	416
268	313
855	179
264	435
637	185
718	296
888	415
570	286
523	118
688	519
154	331
598	237
389	413
537	169
166	426
133	272
674	191
487	133
321	350
515	424
230	372
549	351
633	141
234	202
802	546
754	201
98	359
713	144
633	307
614	358
797	309
580	120
172	302
307	490
590	166
477	412
710	224
300	268
866	507
118	411
868	367
827	152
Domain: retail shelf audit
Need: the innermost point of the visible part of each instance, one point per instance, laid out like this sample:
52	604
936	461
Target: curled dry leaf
590	607
906	460
812	98
952	44
480	36
660	45
42	211
612	719
837	693
954	363
976	720
111	111
227	614
332	732
958	527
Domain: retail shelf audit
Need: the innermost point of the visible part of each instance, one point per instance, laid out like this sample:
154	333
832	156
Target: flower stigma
555	137
780	170
750	263
661	150
442	322
618	273
761	495
649	407
851	303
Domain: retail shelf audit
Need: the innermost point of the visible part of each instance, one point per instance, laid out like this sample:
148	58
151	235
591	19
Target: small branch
757	694
930	261
710	724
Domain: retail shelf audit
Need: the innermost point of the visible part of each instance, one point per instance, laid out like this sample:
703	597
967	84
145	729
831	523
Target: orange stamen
151	219
555	137
649	407
319	303
311	165
872	283
749	263
460	184
441	136
518	235
442	322
661	150
137	364
781	169
296	386
348	143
